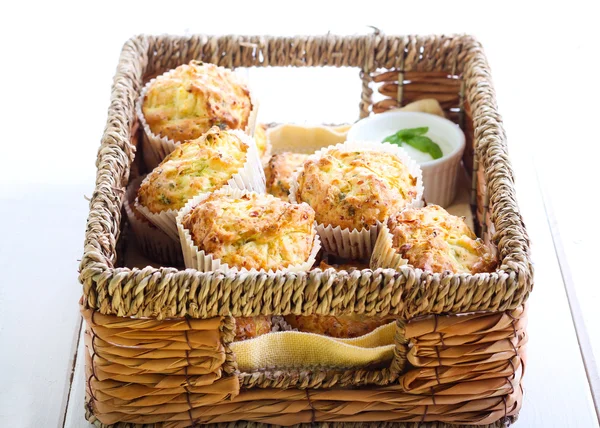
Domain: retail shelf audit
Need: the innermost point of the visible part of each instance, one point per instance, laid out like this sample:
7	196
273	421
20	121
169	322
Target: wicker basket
158	340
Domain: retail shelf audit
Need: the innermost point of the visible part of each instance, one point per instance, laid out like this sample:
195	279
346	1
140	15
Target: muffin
262	143
341	326
433	240
353	187
234	229
198	166
187	101
279	173
250	327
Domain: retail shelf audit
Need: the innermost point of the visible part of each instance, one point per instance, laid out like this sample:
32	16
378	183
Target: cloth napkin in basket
295	349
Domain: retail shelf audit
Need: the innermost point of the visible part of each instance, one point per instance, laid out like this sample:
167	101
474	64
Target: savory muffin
262	143
279	172
185	103
354	189
197	166
252	231
249	327
342	326
433	240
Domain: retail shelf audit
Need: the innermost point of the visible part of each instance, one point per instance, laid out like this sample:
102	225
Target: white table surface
58	62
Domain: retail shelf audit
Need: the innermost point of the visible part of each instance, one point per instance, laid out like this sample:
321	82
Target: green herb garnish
164	199
415	137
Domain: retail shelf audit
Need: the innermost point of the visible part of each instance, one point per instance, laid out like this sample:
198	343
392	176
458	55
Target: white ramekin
439	175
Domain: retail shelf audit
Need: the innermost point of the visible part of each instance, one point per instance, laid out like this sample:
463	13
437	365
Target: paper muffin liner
384	255
152	241
148	155
204	262
161	146
250	176
359	243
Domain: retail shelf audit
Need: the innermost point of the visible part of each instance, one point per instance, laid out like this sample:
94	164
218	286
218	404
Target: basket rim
514	279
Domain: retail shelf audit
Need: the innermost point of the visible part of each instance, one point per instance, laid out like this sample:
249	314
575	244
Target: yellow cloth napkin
294	349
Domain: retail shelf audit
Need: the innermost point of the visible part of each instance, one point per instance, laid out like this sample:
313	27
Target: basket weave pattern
174	314
465	369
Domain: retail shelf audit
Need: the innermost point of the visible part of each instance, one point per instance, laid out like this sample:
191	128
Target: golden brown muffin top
194	97
279	172
355	189
433	240
195	167
253	231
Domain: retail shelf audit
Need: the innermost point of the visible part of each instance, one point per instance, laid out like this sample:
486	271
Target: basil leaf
393	139
399	137
425	145
412	132
415	137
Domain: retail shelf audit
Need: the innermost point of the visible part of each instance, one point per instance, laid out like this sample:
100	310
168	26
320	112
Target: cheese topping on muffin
254	231
194	97
434	240
195	167
355	189
279	172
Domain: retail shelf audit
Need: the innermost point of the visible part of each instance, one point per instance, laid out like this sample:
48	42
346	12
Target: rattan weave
452	69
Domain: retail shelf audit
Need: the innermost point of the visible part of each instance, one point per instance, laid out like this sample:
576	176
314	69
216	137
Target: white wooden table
60	59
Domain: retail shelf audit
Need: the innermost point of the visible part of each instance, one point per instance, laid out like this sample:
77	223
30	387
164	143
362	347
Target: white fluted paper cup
384	255
152	241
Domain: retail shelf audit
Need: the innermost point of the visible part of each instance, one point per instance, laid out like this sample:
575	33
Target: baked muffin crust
253	231
355	189
195	167
250	327
341	326
279	172
433	240
194	97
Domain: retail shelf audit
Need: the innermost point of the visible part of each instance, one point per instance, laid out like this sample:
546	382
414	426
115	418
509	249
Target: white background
56	65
